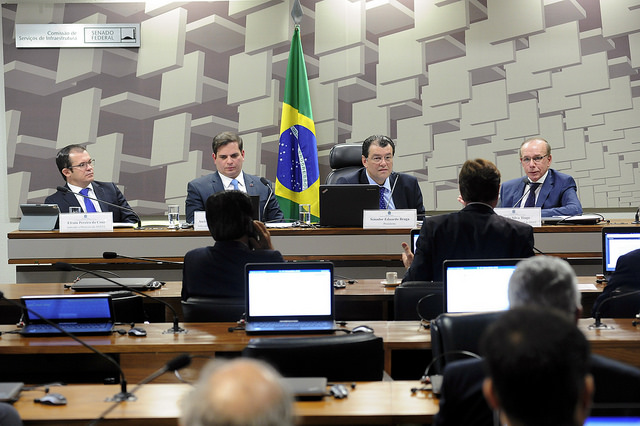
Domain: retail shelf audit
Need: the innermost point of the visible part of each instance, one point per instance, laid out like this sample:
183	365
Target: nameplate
386	219
86	222
200	221
77	35
529	215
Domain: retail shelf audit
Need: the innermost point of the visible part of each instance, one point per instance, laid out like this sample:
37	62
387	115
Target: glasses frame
85	165
375	160
537	159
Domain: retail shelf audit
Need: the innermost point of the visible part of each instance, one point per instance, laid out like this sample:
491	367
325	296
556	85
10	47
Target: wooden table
158	404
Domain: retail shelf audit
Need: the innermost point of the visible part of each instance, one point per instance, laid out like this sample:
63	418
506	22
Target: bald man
240	392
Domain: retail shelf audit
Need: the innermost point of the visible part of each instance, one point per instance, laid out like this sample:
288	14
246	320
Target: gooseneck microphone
123	395
176	329
598	324
266	183
176	363
114	255
526	182
65	190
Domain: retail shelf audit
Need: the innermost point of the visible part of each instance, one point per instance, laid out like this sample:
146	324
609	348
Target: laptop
289	298
616	241
10	391
342	205
580	219
79	314
306	388
100	284
38	217
477	285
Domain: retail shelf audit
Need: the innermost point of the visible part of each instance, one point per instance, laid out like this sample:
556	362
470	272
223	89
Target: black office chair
213	309
621	307
451	334
351	357
416	300
344	158
128	307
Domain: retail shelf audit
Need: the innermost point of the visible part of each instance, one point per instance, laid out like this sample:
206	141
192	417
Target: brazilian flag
298	174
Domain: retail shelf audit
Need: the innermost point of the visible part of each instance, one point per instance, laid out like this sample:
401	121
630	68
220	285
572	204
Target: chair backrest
351	357
621	307
128	307
415	300
451	333
212	309
344	159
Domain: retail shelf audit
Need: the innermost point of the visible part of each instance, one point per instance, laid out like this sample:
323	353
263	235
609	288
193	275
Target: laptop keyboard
71	328
293	325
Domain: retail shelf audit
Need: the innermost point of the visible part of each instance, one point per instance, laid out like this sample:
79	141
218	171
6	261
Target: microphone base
122	396
176	330
601	326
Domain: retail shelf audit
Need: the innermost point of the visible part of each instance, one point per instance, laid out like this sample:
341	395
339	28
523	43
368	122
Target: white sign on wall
77	35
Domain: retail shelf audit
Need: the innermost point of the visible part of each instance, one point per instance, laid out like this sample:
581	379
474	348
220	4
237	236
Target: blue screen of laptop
69	309
614	421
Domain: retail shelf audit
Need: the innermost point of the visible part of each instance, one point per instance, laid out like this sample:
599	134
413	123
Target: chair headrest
345	155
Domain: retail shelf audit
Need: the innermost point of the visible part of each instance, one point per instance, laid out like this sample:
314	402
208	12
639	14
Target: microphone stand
65	190
598	324
266	183
123	395
526	185
176	329
113	255
637	218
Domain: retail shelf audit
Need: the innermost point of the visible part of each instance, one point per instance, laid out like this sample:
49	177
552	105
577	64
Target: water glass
173	213
305	213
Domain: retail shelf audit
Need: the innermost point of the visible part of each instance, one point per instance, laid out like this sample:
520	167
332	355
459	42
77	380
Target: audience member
545	282
475	232
626	275
76	167
9	416
554	192
533	354
218	270
228	156
397	190
241	392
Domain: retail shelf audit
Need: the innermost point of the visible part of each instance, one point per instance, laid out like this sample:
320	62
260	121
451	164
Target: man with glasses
397	190
76	167
554	192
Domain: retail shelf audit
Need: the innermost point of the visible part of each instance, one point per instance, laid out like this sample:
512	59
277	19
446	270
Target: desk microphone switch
339	391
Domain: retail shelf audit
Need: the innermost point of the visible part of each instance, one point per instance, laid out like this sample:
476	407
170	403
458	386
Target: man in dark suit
475	232
397	190
228	156
218	270
76	167
547	282
626	275
554	192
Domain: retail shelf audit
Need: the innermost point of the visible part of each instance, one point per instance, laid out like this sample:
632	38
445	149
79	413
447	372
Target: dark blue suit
475	232
462	401
557	197
406	194
627	274
198	190
105	191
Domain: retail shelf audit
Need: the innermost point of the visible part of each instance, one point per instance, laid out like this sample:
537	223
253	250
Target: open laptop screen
616	241
478	285
85	308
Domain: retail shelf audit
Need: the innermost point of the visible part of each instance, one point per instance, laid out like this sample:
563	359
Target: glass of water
173	213
305	214
74	209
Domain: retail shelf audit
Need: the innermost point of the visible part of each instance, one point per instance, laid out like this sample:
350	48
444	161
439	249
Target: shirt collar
78	189
226	181
541	180
386	183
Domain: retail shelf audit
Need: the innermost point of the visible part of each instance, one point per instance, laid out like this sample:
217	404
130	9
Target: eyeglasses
537	159
85	165
377	160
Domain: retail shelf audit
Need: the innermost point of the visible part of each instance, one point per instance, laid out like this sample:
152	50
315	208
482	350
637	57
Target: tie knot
234	183
84	191
534	185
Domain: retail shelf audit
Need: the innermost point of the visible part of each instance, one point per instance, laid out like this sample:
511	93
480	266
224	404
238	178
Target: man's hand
407	256
461	201
262	238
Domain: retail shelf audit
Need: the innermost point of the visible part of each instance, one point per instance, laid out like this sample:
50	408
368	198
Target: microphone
114	255
598	324
123	395
176	329
176	363
65	190
526	182
266	183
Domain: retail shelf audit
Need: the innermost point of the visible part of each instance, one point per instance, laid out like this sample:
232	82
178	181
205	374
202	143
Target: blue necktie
531	199
88	205
234	183
383	202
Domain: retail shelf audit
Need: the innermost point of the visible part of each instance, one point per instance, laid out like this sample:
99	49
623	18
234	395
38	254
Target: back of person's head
537	365
380	140
545	281
62	157
229	215
479	181
241	392
224	138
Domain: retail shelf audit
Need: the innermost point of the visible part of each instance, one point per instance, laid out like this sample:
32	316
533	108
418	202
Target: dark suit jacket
105	191
406	194
198	190
475	232
462	402
218	270
557	196
626	274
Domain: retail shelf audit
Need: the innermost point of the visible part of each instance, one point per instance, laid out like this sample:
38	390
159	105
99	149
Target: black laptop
289	298
79	314
616	241
342	205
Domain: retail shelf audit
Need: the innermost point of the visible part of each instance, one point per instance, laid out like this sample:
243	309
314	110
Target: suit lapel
216	183
546	188
250	185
